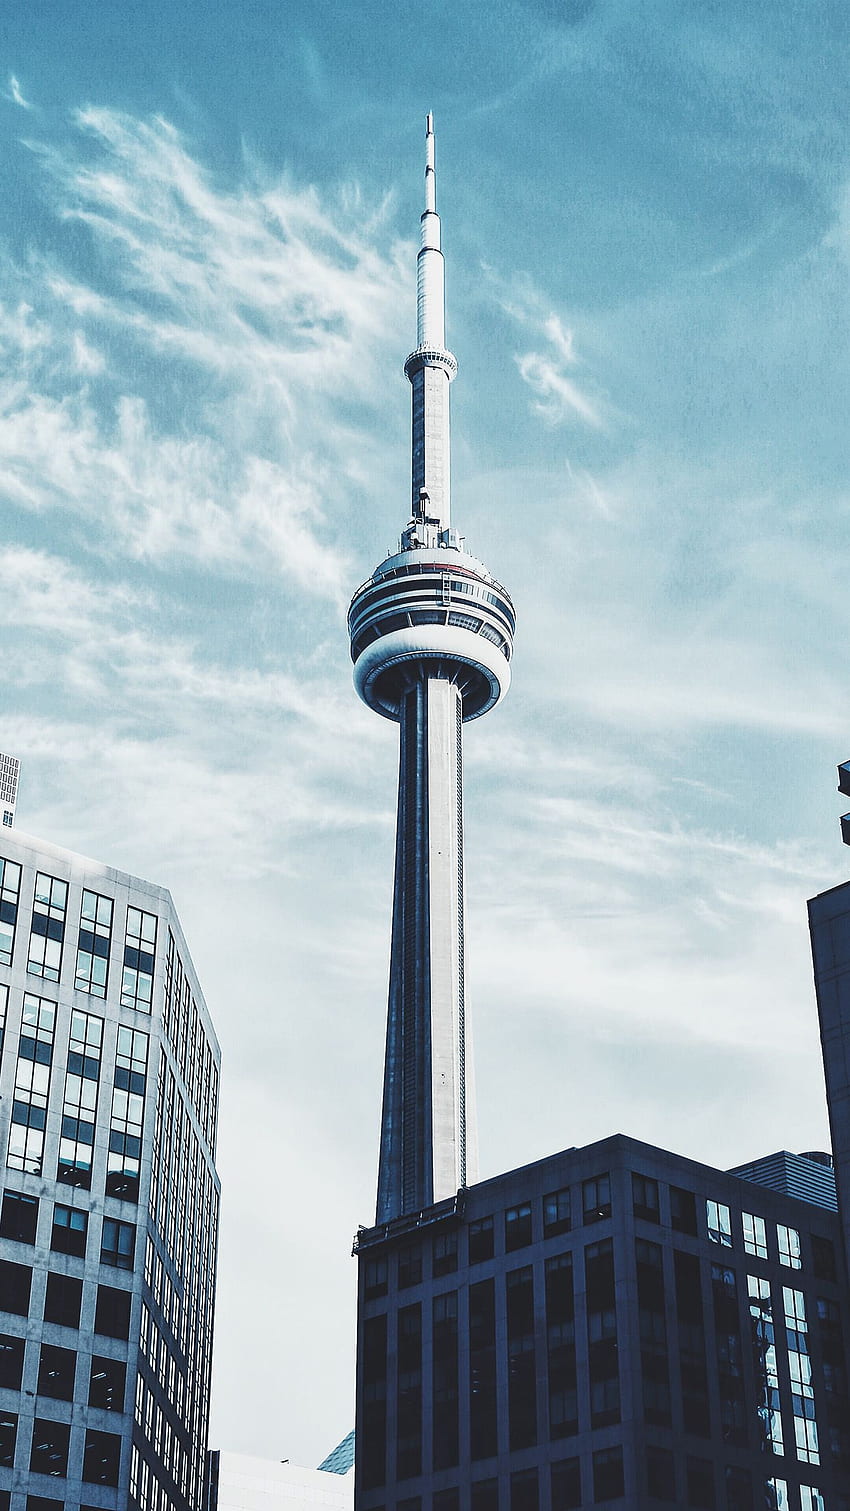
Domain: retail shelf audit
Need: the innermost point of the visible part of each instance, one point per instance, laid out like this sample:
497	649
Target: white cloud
274	304
15	95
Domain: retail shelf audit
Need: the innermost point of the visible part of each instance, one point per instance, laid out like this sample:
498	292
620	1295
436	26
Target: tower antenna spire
430	367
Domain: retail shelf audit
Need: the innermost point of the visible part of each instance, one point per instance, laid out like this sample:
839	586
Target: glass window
608	1480
566	1485
811	1498
739	1489
409	1266
524	1492
56	1370
660	1474
118	1243
19	1217
70	1227
445	1254
50	1441
15	1283
139	952
719	1222
376	1278
596	1198
102	1458
107	1383
11	1361
683	1210
112	1314
517	1227
755	1235
788	1240
700	1478
8	1436
645	1198
484	1495
481	1247
776	1495
556	1212
63	1299
823	1258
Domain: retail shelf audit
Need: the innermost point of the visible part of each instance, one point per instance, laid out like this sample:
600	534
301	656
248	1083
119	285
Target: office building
109	1073
239	1482
614	1325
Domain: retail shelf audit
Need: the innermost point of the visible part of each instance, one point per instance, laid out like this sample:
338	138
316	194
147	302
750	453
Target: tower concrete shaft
431	641
426	1148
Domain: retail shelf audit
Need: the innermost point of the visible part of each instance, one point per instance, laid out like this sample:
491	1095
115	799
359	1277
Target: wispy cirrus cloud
14	94
551	368
177	383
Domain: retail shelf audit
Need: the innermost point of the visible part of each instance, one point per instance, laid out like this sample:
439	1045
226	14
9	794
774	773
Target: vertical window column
561	1347
692	1360
727	1334
764	1359
93	944
603	1367
409	1393
32	1085
139	952
128	1104
10	888
445	1384
522	1373
47	931
653	1333
482	1370
800	1369
79	1105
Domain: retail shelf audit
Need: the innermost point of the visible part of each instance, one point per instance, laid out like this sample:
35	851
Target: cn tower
431	642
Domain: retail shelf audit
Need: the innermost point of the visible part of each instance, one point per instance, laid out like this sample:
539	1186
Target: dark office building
613	1325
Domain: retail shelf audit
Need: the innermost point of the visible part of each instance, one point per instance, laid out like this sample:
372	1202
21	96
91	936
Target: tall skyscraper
431	641
614	1325
109	1072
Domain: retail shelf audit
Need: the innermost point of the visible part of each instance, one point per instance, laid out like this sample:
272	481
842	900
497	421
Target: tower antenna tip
429	123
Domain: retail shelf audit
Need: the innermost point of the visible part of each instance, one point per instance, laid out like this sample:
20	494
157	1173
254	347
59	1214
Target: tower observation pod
431	642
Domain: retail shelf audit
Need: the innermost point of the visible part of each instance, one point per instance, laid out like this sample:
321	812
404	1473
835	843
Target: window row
69	1232
63	1300
50	934
57	1373
572	1485
766	1240
50	1446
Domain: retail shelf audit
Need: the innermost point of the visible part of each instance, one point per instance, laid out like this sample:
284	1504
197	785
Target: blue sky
207	248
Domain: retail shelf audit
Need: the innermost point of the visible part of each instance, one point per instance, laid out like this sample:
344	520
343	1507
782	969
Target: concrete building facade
109	1072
